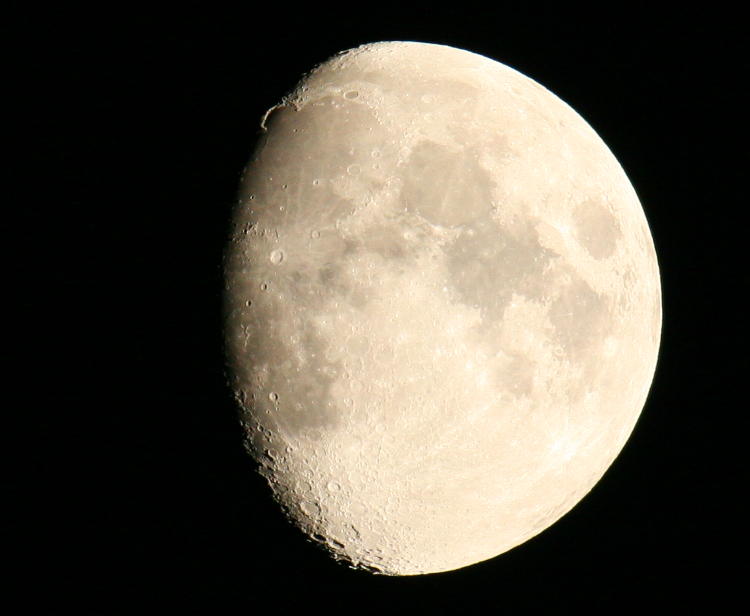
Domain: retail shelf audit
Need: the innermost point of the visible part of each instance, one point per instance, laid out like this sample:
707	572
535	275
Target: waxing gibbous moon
443	307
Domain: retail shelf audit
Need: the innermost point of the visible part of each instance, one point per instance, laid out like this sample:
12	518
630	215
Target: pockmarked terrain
443	307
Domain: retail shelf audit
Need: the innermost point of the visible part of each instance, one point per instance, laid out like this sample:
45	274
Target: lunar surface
443	307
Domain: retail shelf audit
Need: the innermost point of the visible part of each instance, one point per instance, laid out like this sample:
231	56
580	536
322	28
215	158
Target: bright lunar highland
443	307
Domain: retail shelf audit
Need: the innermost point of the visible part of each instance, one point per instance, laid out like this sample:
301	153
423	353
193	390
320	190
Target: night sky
136	491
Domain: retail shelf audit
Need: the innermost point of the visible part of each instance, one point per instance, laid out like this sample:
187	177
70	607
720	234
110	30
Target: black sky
140	494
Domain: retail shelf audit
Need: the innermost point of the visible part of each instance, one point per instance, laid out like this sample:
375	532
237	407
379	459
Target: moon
443	307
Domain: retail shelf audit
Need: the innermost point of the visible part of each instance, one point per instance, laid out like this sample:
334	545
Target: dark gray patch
596	229
580	320
331	278
488	264
336	284
385	241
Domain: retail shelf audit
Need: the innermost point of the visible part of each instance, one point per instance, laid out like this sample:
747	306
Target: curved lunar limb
443	307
